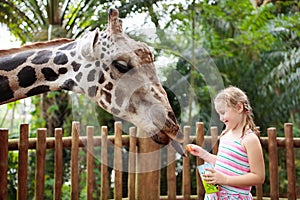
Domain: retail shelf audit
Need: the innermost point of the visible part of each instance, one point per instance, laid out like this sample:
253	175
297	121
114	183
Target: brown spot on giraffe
42	57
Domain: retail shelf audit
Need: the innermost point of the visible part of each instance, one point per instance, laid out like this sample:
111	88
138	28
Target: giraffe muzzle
165	121
170	131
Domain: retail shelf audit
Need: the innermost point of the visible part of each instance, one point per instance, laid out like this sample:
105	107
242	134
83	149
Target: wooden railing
142	184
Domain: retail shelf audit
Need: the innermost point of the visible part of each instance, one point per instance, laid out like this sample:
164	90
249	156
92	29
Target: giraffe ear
88	43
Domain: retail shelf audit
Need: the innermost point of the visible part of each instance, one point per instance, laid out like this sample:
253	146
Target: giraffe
115	71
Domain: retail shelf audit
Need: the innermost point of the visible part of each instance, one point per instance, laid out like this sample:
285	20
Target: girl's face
231	117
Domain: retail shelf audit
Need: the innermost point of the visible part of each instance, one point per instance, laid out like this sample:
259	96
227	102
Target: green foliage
285	75
49	184
12	174
65	191
29	20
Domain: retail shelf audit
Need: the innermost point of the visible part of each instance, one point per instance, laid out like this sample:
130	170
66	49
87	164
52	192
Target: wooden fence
142	185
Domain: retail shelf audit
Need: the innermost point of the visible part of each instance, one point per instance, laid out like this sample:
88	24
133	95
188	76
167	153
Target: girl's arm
202	153
257	167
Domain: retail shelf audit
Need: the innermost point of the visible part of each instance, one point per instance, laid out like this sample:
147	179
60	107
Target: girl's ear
240	107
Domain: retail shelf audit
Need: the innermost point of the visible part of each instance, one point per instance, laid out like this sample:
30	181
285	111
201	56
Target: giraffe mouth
173	131
164	139
168	130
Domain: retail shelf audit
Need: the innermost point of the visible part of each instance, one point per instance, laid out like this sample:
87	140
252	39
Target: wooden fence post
290	160
214	139
3	163
186	173
104	161
58	164
23	162
40	163
273	163
90	163
132	163
148	168
74	161
118	161
171	172
259	188
199	161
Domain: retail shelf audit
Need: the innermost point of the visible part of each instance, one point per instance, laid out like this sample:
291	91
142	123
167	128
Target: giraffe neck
27	72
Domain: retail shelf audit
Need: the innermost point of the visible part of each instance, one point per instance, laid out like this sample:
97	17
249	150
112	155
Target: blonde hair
231	96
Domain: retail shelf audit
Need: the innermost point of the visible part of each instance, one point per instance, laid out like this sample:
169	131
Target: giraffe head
127	84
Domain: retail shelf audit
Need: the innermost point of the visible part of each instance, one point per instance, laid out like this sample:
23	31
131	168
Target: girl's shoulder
250	138
249	133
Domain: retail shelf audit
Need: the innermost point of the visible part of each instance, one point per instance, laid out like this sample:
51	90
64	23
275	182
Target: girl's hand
215	177
195	150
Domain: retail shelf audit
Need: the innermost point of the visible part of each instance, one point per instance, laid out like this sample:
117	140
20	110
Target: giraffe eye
121	66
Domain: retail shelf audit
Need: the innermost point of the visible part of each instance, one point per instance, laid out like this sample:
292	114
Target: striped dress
233	161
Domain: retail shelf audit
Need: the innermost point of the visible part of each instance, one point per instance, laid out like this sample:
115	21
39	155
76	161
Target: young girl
239	163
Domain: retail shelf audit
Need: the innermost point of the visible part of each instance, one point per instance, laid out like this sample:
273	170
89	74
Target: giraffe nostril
172	116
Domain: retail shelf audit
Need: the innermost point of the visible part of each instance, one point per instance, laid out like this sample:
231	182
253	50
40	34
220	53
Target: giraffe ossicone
115	71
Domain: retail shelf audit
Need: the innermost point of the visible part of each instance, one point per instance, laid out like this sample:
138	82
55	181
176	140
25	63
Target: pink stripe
241	149
232	154
237	146
233	164
224	171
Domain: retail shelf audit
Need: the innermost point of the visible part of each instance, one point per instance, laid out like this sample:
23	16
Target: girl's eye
121	66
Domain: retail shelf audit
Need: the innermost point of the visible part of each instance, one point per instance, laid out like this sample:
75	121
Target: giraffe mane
37	45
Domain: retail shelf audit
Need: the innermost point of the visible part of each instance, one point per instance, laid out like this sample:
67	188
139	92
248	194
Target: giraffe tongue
163	138
177	146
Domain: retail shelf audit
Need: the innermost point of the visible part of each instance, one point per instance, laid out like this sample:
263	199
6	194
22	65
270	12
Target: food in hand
188	148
